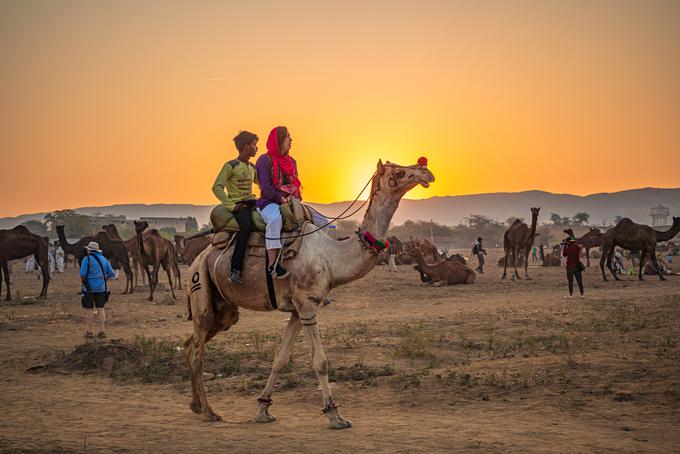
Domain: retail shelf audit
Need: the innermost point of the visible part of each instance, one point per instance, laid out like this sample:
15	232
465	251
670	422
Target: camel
113	250
590	240
18	243
457	258
442	273
429	250
517	239
664	268
635	237
552	259
133	250
154	251
188	250
320	265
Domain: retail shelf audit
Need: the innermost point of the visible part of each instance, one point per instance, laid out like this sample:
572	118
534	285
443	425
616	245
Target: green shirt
237	178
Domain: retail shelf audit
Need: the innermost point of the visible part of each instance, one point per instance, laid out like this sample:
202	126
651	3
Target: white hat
93	246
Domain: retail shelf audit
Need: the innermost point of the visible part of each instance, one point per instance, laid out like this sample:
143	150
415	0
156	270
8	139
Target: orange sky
125	101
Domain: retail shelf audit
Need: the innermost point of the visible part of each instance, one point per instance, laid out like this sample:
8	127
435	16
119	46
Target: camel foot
210	416
336	421
662	278
528	278
151	298
195	406
263	415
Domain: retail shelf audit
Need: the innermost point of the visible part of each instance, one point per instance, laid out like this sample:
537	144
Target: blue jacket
90	268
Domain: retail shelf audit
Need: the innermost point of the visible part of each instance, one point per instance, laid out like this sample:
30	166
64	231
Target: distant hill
449	210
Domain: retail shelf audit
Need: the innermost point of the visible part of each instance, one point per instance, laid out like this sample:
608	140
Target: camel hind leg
209	318
515	253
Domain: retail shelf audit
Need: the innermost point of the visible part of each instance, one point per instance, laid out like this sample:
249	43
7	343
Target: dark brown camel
114	250
133	250
590	240
188	250
635	237
155	253
18	243
519	239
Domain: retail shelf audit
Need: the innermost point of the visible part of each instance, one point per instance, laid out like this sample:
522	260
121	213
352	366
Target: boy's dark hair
243	138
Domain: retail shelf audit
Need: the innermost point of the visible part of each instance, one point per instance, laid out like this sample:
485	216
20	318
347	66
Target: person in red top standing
572	252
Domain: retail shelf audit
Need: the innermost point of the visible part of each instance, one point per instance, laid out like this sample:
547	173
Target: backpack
475	249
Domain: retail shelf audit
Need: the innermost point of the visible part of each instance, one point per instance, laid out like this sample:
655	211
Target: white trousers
272	217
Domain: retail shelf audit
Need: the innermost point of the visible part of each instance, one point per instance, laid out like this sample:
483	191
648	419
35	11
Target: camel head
413	249
569	232
534	212
395	180
676	222
140	226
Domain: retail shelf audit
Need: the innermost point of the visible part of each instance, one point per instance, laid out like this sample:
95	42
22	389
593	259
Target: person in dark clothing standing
480	252
572	252
237	177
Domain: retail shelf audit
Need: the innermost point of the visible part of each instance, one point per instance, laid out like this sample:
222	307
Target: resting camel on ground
154	252
320	265
590	240
635	237
519	239
188	250
429	250
552	259
18	243
113	250
442	273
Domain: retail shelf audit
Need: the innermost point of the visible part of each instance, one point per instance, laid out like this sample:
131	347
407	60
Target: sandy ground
498	366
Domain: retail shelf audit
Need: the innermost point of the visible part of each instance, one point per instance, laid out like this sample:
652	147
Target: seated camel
442	273
552	259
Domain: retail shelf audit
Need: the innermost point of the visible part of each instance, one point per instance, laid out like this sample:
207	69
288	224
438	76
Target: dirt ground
498	366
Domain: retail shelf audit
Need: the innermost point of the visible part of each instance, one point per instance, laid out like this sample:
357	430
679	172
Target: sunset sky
106	102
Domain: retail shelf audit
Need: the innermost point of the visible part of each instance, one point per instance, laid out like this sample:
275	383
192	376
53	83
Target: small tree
581	218
555	218
191	224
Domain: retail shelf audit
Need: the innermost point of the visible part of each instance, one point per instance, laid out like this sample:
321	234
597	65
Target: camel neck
668	234
348	259
65	245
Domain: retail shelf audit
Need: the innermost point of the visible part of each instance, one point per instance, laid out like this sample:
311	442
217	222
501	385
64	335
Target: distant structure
179	224
118	220
660	215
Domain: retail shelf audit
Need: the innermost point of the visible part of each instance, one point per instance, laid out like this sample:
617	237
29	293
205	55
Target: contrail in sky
219	78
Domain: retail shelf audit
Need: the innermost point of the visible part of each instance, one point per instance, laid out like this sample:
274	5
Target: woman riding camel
277	172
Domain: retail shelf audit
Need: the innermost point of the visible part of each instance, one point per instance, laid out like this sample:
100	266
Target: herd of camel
149	251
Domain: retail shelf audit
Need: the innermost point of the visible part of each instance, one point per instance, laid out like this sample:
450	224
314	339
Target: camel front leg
526	264
282	356
335	419
505	264
588	256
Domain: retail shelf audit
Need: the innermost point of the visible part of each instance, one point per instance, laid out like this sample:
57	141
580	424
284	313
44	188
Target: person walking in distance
480	252
575	268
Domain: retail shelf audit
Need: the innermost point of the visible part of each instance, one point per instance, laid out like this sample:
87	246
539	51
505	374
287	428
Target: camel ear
380	165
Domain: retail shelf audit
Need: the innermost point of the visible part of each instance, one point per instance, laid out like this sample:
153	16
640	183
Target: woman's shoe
279	273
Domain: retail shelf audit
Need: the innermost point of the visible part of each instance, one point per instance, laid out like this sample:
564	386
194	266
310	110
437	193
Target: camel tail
200	234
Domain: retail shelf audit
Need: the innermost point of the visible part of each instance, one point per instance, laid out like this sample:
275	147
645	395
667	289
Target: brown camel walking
114	250
154	251
448	272
590	240
18	243
519	239
635	237
321	264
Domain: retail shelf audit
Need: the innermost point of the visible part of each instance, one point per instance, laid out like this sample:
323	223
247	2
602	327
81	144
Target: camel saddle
294	215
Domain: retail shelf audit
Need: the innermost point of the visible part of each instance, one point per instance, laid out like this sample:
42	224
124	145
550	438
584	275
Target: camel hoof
265	418
339	424
212	417
195	407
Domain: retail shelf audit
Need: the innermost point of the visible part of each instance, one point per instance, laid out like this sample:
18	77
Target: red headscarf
282	164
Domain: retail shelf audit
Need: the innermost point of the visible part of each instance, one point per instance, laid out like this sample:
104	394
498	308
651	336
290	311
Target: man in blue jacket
94	271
